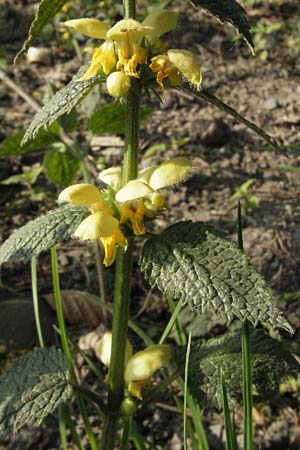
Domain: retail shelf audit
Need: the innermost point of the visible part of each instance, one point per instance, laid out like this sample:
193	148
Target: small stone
270	104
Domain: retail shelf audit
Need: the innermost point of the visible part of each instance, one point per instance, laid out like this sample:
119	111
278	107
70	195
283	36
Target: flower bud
118	84
128	407
187	64
142	365
104	350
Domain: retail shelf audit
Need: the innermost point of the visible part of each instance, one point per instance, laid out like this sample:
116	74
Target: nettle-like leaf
46	11
230	11
271	363
43	233
60	165
61	103
32	388
199	265
111	118
11	146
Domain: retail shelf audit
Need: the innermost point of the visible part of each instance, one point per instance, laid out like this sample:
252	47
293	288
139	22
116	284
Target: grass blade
35	297
246	360
180	335
229	430
247	388
171	322
186	373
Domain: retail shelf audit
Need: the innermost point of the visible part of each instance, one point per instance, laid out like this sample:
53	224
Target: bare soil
224	154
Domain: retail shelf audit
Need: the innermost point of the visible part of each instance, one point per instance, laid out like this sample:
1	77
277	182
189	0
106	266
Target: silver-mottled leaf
46	11
42	233
61	103
230	11
271	363
201	266
33	388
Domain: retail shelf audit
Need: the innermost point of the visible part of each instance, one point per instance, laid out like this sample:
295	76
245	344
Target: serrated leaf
270	364
11	146
32	388
61	103
69	121
199	265
42	233
230	11
46	11
60	166
111	118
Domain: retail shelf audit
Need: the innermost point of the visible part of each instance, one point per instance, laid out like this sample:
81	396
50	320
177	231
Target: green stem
36	301
123	271
131	134
129	9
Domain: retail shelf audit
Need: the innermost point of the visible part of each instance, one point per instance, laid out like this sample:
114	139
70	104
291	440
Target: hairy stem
123	271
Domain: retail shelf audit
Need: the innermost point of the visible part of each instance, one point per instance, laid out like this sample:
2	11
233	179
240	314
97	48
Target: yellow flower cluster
138	367
138	198
129	45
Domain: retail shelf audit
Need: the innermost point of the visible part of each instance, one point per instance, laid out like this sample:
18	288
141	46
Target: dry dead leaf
77	308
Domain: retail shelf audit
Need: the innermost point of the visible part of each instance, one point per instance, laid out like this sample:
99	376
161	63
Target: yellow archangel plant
138	198
130	45
138	367
100	224
141	197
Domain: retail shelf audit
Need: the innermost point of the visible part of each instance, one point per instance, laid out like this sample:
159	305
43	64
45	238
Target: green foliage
69	121
60	165
270	364
250	201
33	388
111	118
42	233
230	11
197	264
265	38
46	11
28	177
61	103
11	146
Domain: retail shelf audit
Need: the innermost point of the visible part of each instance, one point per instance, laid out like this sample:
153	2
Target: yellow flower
141	197
142	365
173	65
100	224
123	46
104	350
138	368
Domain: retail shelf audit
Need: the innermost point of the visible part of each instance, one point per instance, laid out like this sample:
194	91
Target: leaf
111	119
28	177
33	388
77	307
61	103
197	264
46	11
230	11
214	100
41	234
60	166
69	121
271	362
11	146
